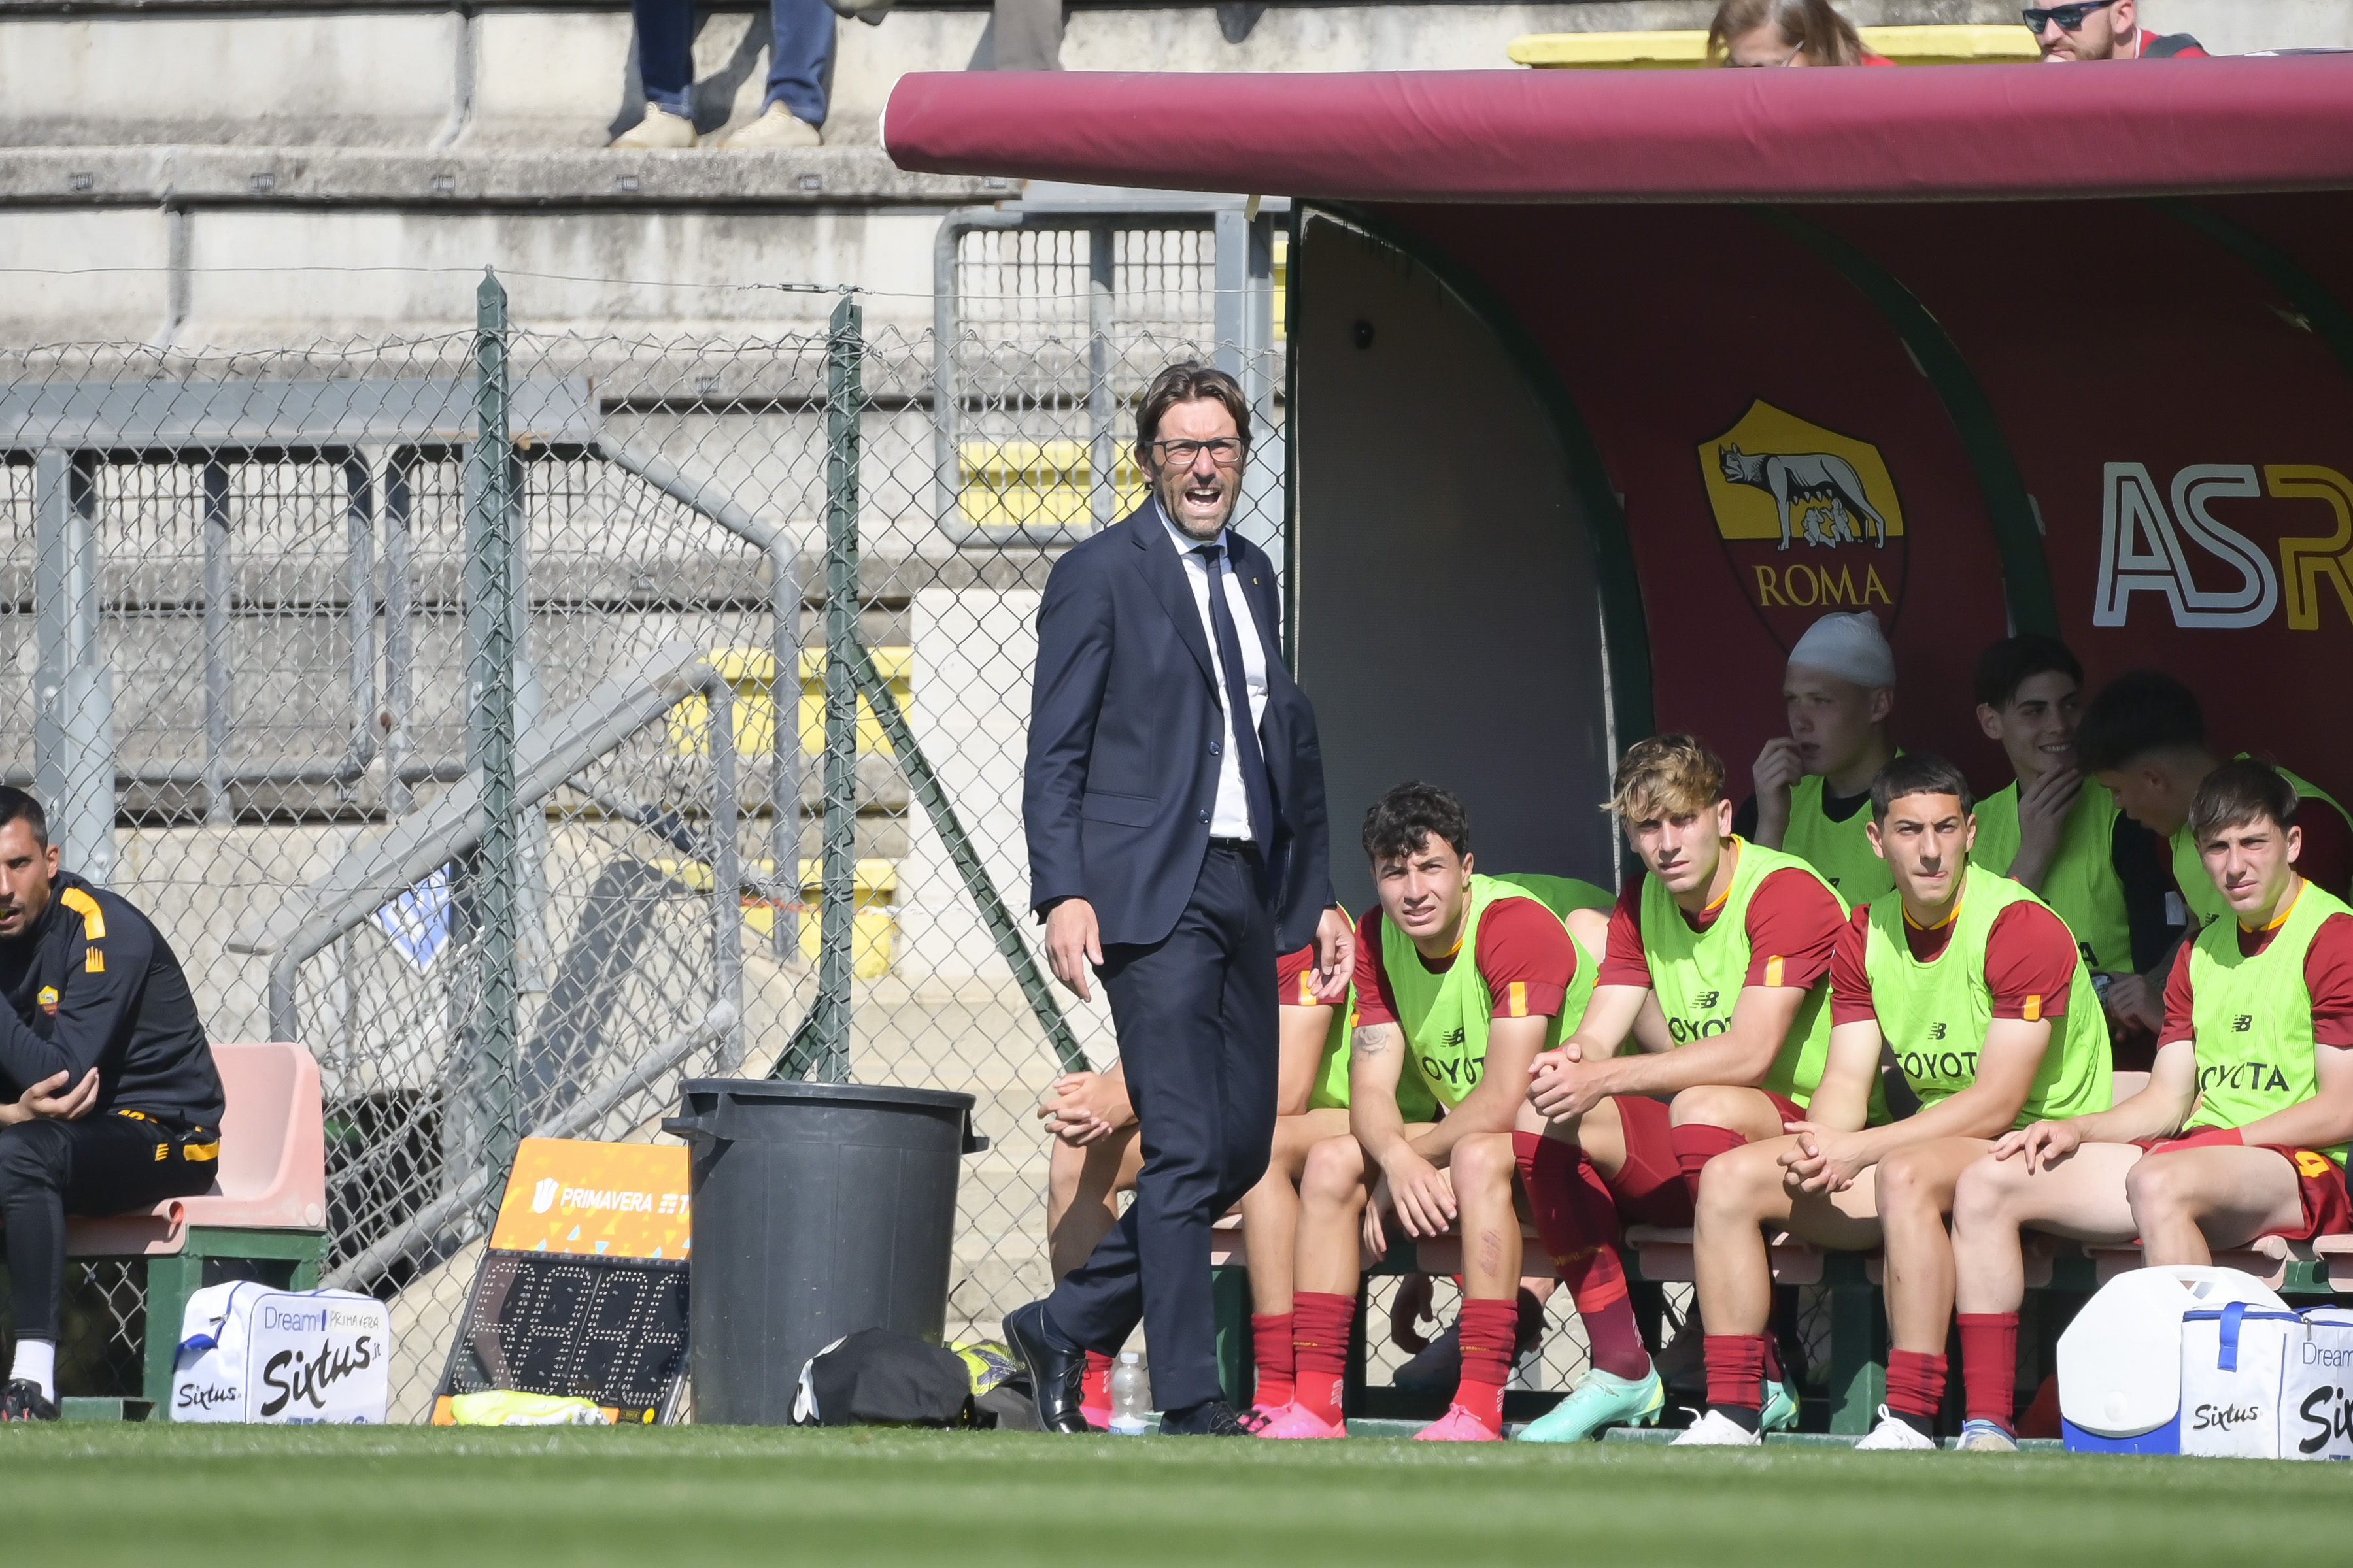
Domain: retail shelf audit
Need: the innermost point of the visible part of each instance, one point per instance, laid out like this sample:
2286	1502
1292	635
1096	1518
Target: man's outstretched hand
1336	955
1074	945
50	1101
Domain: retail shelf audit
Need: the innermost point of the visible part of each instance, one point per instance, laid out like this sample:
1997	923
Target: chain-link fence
526	721
523	723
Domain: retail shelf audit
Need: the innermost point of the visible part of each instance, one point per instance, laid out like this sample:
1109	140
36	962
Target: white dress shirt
1229	818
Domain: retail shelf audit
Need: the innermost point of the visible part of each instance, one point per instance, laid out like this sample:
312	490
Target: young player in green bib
2062	837
1813	784
2242	1128
1460	979
2145	738
1723	948
1975	989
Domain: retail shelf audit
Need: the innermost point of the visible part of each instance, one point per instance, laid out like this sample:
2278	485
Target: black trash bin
819	1209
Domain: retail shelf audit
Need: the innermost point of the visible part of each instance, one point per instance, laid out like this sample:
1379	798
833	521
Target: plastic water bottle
1131	1394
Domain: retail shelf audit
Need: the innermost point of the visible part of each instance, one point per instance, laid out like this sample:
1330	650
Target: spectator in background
1785	33
800	58
1028	35
2102	30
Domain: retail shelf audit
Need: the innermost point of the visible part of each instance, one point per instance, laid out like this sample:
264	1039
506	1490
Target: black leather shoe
1057	1368
1210	1418
21	1401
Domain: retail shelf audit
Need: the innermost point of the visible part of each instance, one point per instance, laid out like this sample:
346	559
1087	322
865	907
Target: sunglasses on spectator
2071	18
1225	451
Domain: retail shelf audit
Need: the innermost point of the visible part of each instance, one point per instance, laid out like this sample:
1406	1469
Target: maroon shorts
1650	1188
2327	1209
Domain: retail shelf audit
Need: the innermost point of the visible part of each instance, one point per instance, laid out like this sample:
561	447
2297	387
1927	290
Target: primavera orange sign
1809	519
604	1200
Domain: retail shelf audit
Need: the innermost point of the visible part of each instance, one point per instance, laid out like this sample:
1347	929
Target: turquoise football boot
1781	1412
1601	1400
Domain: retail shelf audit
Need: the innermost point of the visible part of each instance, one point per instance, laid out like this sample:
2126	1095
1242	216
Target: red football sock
1272	1349
1096	1388
1990	1367
1577	1219
1696	1144
1735	1370
1319	1324
1915	1385
1489	1329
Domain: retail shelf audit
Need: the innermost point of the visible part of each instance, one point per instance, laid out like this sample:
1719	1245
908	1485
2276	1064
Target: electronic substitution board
581	1291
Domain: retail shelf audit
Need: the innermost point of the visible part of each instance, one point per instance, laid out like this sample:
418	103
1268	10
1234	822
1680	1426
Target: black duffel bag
879	1378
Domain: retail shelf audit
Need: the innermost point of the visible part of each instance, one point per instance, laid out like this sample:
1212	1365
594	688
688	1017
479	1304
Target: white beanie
1848	646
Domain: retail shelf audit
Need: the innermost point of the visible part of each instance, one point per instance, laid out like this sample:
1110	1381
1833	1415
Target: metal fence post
492	530
73	710
1103	403
844	394
822	1042
220	587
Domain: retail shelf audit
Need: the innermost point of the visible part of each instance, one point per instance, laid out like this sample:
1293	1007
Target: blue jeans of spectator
799	51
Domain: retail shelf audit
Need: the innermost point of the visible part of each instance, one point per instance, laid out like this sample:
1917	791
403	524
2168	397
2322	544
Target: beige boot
775	128
658	130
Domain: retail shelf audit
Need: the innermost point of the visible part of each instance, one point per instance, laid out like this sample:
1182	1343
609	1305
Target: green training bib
1698	975
1838	851
1446	1016
2081	886
2205	902
2251	1019
1933	1015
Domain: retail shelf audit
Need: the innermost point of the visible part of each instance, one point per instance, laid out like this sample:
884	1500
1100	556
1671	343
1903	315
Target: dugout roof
2063	350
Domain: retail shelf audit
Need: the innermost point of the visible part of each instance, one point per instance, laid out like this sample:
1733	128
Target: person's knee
1737	1186
1906	1186
2158	1188
1334	1176
1483	1167
32	1155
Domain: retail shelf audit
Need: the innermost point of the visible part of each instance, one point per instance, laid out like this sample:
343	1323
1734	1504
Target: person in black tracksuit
109	1098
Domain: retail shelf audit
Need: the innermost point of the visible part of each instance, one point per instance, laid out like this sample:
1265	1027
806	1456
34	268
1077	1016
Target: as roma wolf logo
1809	519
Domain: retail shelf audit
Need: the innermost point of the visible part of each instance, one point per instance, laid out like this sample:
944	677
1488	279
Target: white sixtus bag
249	1352
2232	1357
2316	1408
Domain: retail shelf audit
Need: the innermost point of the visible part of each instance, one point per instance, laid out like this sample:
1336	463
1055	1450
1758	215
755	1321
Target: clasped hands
1562	1084
1823	1161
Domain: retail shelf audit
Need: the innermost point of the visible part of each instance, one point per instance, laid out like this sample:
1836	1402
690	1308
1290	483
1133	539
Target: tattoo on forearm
1372	1040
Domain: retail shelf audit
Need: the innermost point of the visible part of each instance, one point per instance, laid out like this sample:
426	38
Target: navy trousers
1196	1015
800	53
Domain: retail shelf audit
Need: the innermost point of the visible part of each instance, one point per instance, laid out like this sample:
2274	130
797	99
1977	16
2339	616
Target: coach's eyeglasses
1225	451
2069	17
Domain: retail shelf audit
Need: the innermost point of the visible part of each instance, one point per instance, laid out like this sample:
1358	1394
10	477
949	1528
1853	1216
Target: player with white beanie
1813	785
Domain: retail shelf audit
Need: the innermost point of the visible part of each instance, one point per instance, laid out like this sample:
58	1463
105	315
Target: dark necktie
1256	791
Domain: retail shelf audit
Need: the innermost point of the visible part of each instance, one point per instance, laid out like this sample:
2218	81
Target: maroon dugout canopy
1922	133
1975	348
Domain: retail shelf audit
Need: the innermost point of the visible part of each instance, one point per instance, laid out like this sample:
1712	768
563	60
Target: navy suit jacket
1116	797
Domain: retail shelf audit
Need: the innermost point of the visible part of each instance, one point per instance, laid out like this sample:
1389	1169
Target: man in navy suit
1174	853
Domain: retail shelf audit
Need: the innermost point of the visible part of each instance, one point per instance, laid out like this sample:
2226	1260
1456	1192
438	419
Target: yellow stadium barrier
1006	484
1968	43
753	673
873	923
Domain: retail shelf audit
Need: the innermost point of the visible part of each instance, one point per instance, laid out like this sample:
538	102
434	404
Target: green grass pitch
188	1497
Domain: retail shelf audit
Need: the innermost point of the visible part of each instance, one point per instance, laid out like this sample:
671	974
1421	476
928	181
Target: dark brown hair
1190	382
1917	772
1403	821
1828	38
2237	793
16	805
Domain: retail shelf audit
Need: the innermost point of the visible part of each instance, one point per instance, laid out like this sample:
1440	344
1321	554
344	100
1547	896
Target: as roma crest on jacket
1809	519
